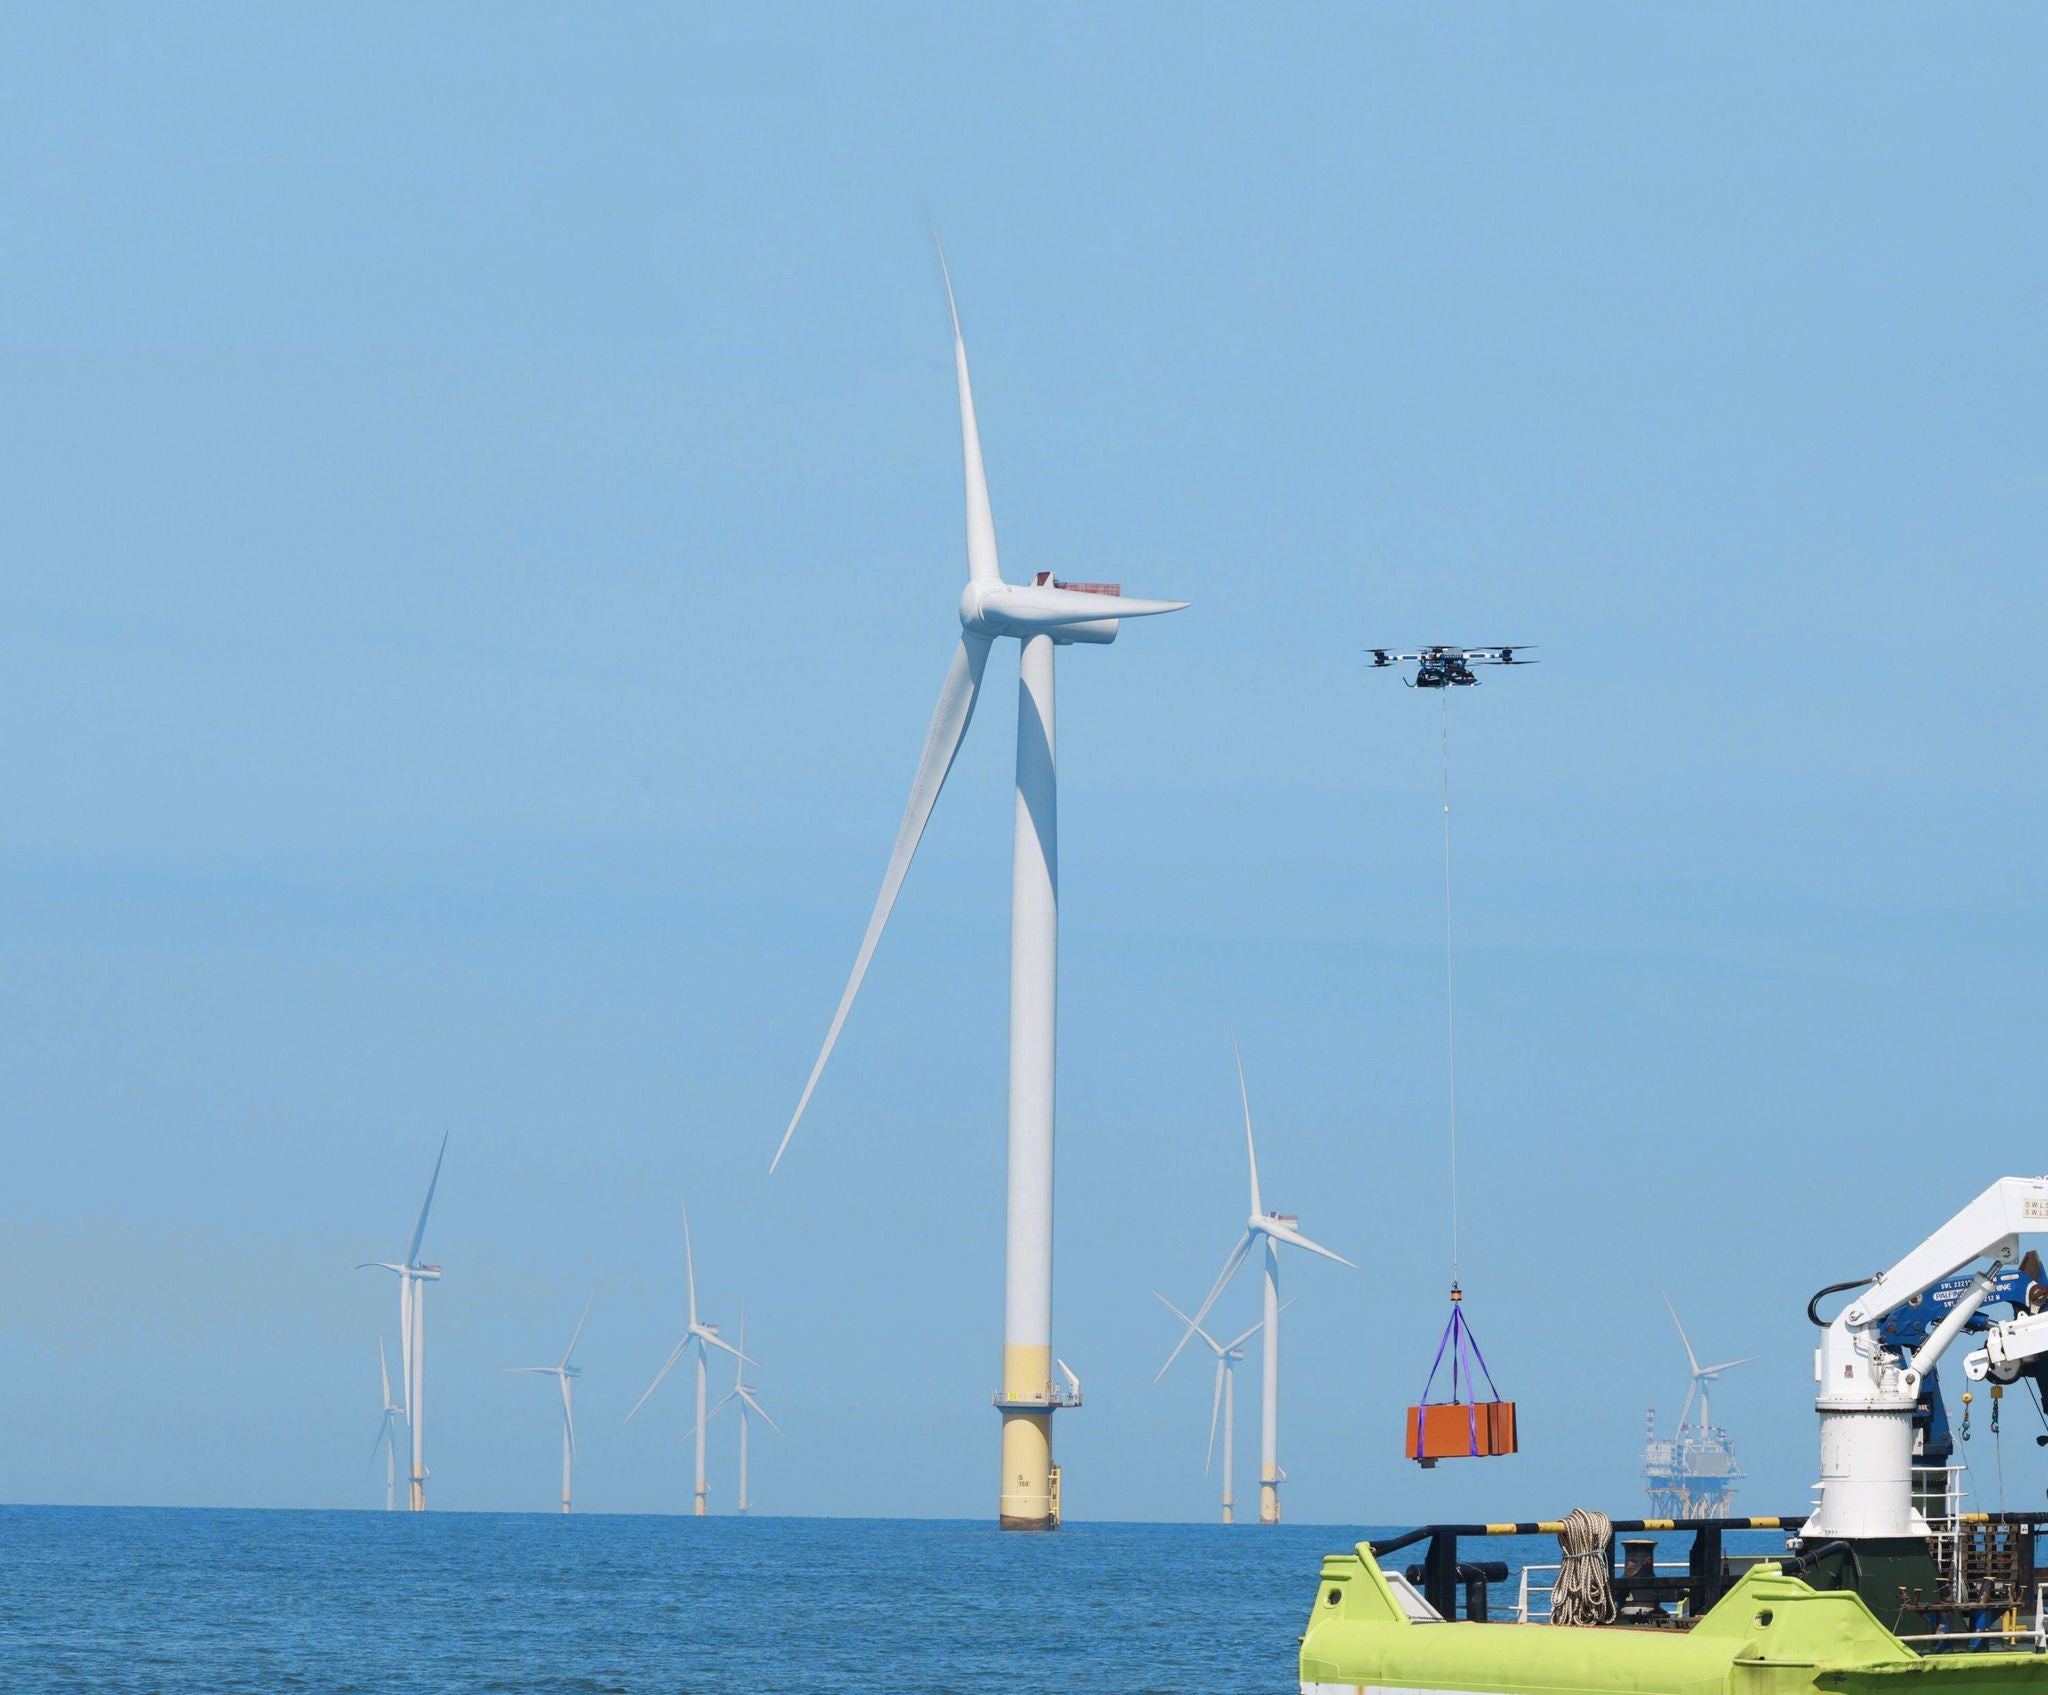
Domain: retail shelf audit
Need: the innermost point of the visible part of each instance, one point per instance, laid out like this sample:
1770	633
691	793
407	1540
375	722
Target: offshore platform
1691	1473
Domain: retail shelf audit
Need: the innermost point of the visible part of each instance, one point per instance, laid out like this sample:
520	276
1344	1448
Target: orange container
1457	1430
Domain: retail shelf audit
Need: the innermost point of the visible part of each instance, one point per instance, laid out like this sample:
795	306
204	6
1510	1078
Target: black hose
1807	1561
1812	1306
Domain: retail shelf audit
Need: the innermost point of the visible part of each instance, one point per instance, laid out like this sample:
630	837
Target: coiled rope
1584	1591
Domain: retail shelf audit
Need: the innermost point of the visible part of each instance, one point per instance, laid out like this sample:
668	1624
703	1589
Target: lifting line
1450	996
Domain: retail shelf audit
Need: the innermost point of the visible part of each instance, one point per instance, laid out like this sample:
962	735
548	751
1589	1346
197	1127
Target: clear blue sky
482	522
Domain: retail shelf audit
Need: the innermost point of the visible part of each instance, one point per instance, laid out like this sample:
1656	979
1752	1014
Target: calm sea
138	1599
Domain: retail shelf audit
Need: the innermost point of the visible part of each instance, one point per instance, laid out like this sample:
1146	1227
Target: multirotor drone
1449	667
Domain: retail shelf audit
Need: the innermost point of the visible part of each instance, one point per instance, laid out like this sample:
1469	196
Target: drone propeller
1443	666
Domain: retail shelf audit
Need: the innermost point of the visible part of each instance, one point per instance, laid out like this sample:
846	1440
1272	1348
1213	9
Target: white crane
1228	1354
703	1337
564	1373
1041	615
413	1278
1868	1390
1267	1230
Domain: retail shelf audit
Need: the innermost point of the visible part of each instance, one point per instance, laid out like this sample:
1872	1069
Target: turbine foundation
1026	1501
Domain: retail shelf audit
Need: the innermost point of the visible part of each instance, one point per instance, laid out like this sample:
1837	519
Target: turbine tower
1702	1375
387	1434
1227	1355
1269	1230
742	1392
703	1337
564	1373
413	1278
1042	615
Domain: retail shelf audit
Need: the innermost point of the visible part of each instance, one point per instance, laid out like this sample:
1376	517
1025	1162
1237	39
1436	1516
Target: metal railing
1053	1397
2035	1634
1526	1614
1442	1573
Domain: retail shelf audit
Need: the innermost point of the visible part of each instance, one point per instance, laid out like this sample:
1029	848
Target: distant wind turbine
1042	615
1225	1396
1269	1230
564	1373
1702	1375
387	1433
413	1278
703	1337
742	1393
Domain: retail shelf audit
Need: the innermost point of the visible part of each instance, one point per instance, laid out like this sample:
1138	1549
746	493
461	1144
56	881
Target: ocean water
141	1599
263	1602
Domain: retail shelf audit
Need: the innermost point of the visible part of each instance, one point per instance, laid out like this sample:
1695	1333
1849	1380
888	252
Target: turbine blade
412	1252
708	1417
740	1353
690	1265
705	1337
1239	1341
981	524
1230	1265
1044	607
1251	1151
384	1374
1691	1359
1280	1233
383	1435
568	1415
748	1398
576	1335
1190	1323
675	1355
1725	1365
1215	1407
942	741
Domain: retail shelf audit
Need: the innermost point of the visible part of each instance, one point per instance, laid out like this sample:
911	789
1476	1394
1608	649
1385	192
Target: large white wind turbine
413	1278
703	1337
564	1373
1703	1376
1225	1397
1269	1230
387	1433
743	1393
1041	615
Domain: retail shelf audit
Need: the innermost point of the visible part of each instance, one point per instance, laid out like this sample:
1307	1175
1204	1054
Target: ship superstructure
1887	1584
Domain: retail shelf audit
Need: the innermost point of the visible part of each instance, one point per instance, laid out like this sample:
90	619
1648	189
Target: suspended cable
1450	992
1464	1425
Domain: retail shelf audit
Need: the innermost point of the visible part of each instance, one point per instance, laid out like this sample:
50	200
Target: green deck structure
1770	1634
